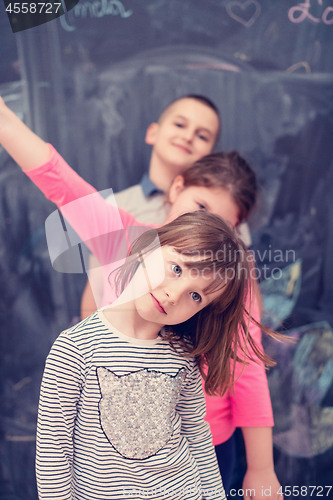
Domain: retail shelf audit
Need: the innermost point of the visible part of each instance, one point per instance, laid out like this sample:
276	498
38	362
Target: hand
24	146
261	485
4	114
7	118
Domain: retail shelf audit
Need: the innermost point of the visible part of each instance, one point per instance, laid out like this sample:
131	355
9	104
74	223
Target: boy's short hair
204	100
200	98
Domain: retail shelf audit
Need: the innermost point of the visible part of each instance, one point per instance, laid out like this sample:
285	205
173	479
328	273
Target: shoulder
136	190
85	333
124	197
178	354
151	209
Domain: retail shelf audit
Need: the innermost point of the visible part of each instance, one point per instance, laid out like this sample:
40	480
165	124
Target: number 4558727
33	8
304	491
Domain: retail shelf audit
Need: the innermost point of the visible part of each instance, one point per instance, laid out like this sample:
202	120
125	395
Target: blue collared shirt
148	187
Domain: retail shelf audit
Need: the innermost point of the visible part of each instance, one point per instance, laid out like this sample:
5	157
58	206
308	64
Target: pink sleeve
58	181
250	400
84	208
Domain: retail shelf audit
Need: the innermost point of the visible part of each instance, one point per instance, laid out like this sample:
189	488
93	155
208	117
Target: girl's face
180	293
215	200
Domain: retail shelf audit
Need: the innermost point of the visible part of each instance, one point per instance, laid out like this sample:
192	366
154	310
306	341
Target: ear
151	133
176	188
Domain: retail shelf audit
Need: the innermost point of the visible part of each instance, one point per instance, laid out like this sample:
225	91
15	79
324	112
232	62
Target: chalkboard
9	60
285	35
288	35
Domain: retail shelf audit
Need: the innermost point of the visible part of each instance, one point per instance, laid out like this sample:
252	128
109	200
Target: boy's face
186	131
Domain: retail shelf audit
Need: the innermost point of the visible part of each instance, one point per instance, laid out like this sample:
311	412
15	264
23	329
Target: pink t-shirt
248	404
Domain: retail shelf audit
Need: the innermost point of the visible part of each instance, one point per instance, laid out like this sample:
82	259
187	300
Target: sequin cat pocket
136	410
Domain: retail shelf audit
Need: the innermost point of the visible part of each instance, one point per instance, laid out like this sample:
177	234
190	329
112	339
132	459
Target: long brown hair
229	171
217	332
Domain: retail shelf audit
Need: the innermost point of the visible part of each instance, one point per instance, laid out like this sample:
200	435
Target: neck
126	319
160	173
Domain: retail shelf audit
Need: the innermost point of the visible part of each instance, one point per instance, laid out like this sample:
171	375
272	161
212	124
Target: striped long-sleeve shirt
122	418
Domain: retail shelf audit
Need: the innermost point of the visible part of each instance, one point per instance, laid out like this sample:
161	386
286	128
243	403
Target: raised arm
23	145
99	224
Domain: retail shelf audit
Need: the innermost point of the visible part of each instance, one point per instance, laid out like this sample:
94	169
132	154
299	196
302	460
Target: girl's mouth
157	304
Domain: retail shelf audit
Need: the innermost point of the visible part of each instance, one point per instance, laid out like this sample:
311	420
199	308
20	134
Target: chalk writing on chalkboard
302	66
245	13
299	13
97	9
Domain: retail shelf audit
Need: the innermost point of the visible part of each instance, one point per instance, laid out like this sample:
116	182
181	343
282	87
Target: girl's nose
172	294
169	295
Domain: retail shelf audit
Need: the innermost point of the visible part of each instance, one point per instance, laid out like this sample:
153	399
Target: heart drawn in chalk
245	13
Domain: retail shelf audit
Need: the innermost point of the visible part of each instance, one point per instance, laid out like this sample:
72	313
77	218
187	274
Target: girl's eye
201	206
180	125
196	296
177	270
203	137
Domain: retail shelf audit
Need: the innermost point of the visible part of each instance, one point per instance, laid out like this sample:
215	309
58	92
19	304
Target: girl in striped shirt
122	410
